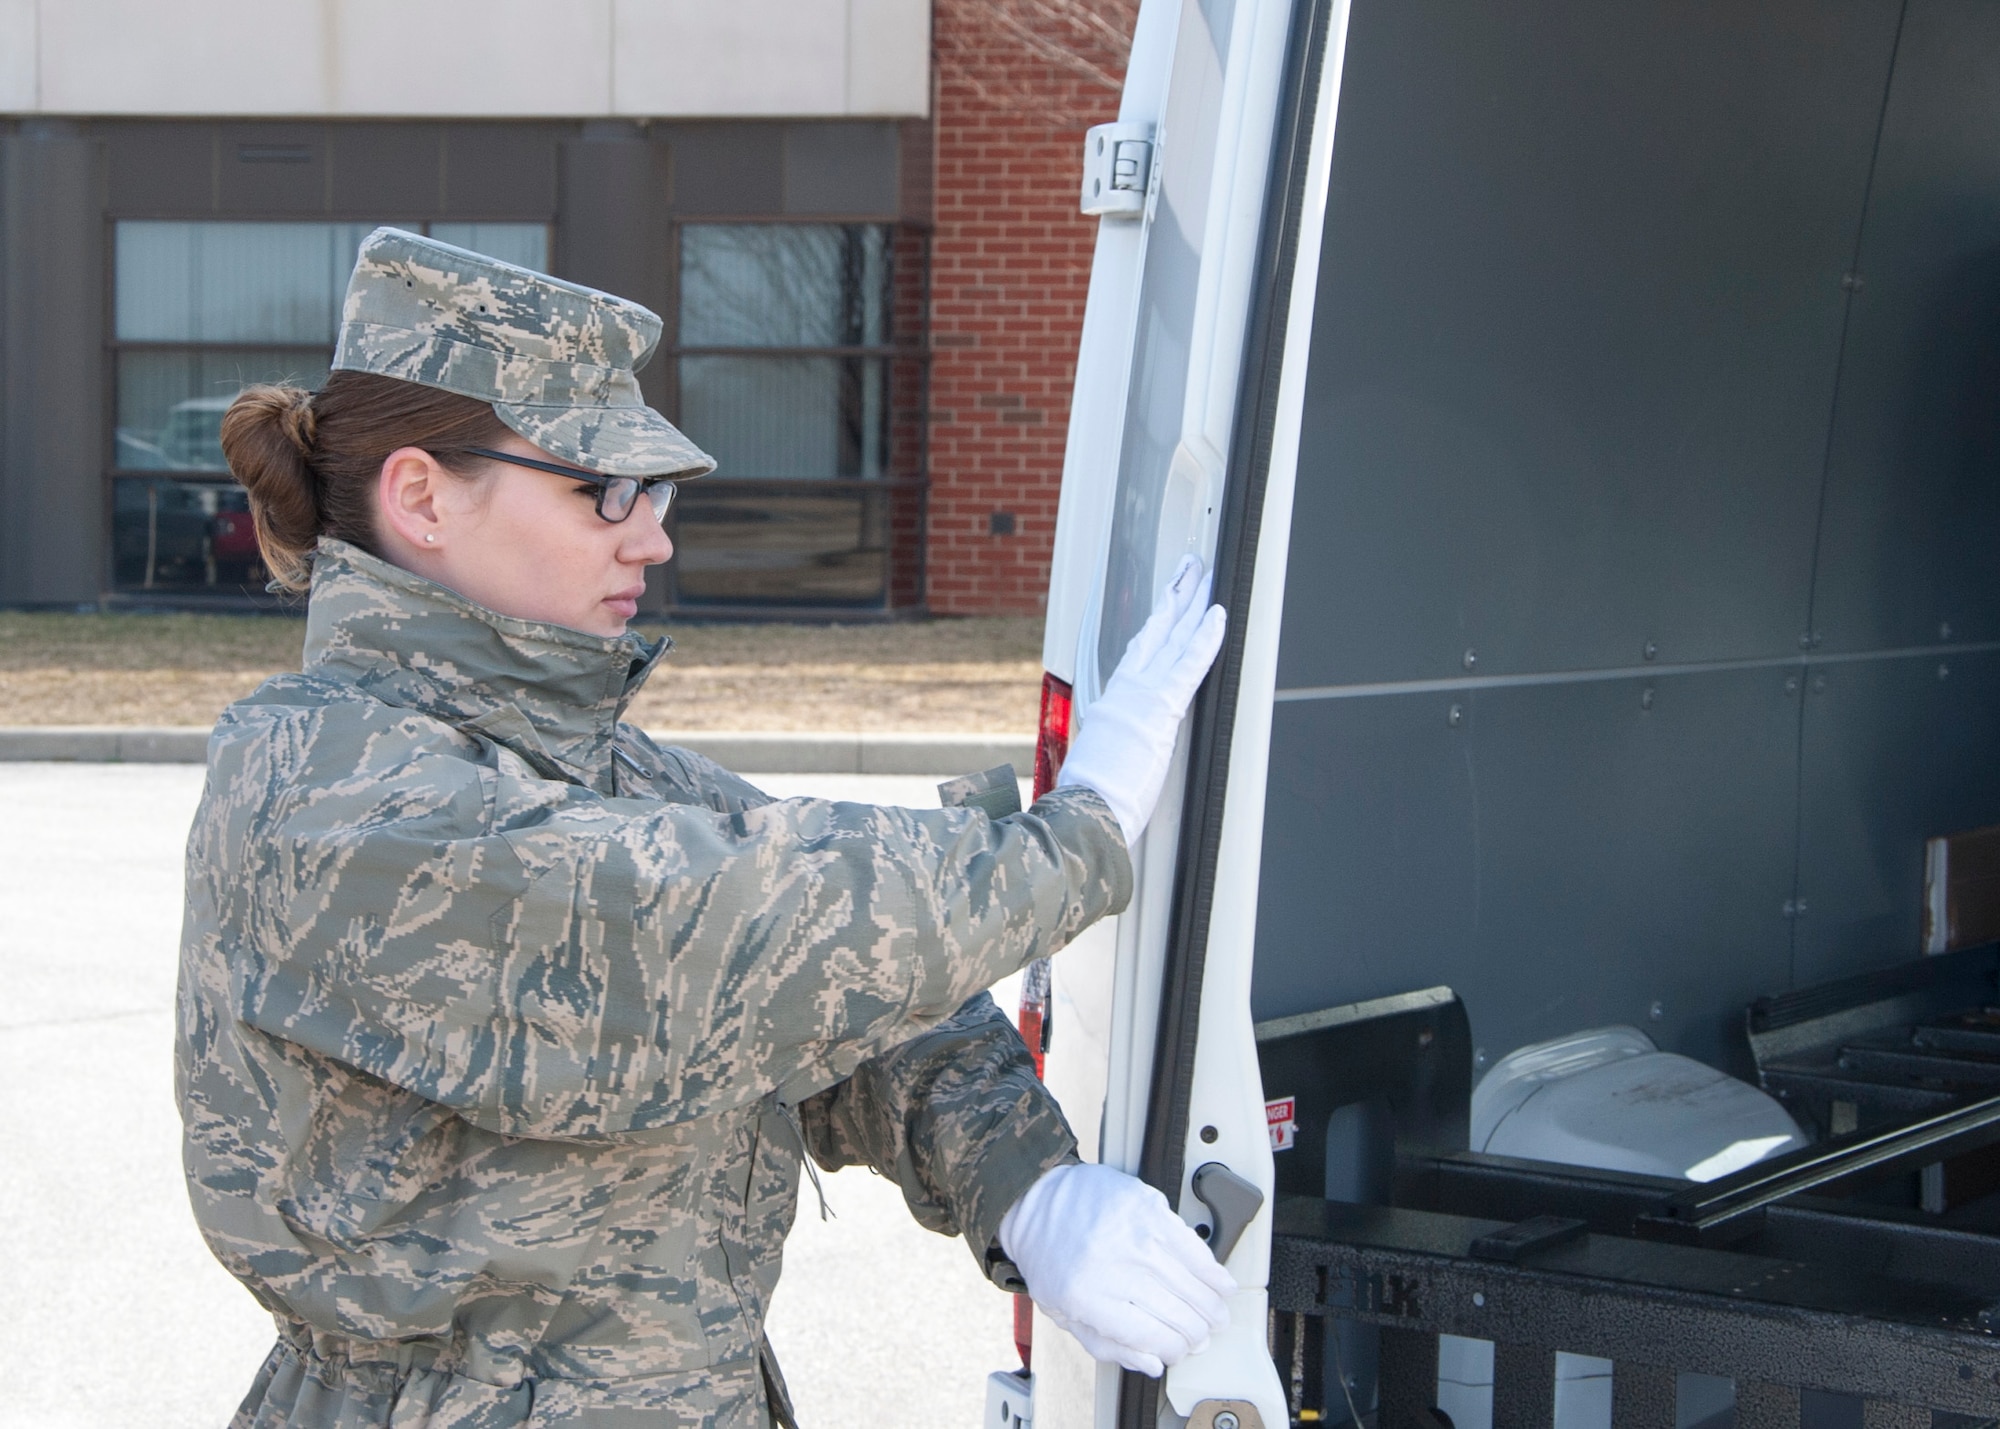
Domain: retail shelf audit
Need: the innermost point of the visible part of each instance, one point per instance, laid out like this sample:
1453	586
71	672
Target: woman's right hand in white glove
1107	1259
1128	735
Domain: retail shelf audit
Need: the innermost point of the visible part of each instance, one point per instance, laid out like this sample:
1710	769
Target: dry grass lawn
967	676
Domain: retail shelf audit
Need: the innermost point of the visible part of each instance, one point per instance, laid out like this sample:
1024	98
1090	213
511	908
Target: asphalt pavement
114	1314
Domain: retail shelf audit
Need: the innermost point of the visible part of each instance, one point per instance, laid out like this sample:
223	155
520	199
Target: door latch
1117	169
1232	1203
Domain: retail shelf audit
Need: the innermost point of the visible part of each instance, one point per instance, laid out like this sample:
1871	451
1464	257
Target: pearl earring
428	539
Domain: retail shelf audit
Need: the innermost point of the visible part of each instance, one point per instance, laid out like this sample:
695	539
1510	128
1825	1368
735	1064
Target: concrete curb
776	752
784	753
104	744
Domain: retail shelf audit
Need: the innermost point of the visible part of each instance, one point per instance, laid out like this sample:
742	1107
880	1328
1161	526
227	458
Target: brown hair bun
267	437
310	460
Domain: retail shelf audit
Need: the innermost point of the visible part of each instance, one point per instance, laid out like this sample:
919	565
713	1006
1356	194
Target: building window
199	311
791	371
784	336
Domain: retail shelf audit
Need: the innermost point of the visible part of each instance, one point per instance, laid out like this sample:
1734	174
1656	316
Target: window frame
907	463
903	490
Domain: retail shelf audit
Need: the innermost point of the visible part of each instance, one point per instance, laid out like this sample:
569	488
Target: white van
1592	415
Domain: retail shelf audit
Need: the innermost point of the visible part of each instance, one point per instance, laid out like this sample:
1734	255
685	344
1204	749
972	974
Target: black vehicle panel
1577	332
1562	856
1912	526
1599	400
1896	750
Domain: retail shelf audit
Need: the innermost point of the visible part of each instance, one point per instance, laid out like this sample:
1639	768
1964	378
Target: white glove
1127	739
1108	1260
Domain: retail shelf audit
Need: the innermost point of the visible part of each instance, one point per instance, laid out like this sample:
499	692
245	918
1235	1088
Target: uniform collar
551	694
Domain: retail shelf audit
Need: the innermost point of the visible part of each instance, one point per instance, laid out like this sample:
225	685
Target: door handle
1232	1203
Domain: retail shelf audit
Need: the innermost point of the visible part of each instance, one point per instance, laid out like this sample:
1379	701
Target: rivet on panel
1944	630
1791	684
1657	1011
1470	658
1208	1134
1646	698
1944	671
1819	684
1479	1299
1652	650
1455	716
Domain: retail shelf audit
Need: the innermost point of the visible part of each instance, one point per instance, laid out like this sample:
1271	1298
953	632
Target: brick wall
1018	82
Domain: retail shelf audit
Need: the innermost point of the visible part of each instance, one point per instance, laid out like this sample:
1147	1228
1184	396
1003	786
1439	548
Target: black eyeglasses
616	495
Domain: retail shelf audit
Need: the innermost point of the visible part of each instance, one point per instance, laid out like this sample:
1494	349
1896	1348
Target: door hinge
1117	169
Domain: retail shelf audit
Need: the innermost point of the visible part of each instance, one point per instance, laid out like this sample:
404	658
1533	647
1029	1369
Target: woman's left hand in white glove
1127	737
1107	1259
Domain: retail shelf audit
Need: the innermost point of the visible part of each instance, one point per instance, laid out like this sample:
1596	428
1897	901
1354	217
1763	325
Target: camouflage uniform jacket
500	1027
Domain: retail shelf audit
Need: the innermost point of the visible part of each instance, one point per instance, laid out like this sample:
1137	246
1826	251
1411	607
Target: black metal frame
1772	1324
1747	1277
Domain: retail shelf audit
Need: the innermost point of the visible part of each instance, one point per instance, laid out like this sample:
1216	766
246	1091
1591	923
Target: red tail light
1052	737
1051	748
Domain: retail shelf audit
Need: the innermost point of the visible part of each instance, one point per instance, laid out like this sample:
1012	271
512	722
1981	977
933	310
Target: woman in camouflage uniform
502	1030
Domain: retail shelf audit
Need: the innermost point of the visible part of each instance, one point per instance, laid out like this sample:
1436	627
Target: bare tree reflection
787	290
983	44
784	285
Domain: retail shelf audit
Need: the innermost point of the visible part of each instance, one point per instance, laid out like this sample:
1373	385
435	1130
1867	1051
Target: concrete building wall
466	58
113	109
81	491
51	364
1010	267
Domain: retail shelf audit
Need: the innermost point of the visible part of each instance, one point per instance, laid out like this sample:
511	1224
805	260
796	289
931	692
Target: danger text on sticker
1279	1118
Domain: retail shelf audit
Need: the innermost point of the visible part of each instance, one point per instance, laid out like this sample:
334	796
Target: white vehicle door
1642	600
1182	438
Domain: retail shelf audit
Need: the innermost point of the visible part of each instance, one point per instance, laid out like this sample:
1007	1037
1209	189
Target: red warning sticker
1279	1117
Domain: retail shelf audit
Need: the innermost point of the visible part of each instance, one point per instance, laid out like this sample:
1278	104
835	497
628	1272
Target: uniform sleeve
956	1117
685	777
552	963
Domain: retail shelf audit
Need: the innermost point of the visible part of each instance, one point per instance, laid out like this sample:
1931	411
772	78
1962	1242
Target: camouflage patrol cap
555	359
